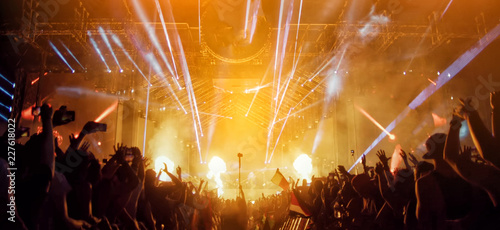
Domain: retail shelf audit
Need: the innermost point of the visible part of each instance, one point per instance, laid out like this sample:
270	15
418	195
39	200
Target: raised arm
481	175
495	114
47	138
482	137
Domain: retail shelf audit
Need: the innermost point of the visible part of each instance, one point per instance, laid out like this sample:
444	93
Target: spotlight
121	71
109	71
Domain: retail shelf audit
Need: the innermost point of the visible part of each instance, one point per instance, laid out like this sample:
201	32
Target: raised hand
467	108
178	170
165	167
85	146
119	152
466	153
379	168
413	159
403	155
363	161
383	158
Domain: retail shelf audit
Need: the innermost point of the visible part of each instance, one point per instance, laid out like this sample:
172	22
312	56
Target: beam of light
157	68
151	33
119	43
7	93
318	102
257	88
427	31
7	80
216	167
451	72
158	7
187	81
7	107
61	56
456	66
3	117
96	47
257	92
108	44
199	21
284	124
35	81
71	53
303	166
279	70
446	9
431	81
106	112
391	136
247	12
215	115
160	165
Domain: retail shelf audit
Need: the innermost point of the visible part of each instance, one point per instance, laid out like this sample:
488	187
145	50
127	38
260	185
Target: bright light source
159	165
99	143
216	167
303	165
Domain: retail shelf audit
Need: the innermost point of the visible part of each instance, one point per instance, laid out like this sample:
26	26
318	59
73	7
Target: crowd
55	189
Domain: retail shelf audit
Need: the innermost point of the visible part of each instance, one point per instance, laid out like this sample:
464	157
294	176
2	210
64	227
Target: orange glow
35	81
391	136
438	121
433	82
99	143
106	112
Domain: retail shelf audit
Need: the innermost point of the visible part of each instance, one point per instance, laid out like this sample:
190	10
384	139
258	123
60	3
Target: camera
63	116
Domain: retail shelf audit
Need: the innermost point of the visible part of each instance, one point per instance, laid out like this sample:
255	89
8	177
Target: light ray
61	56
96	47
71	53
451	72
106	41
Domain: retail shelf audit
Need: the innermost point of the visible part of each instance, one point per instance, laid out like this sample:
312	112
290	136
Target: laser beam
375	122
106	112
451	72
96	47
61	56
71	53
108	44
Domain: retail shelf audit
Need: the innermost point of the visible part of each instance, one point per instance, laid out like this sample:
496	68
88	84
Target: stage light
121	71
454	68
3	77
99	143
106	112
108	44
7	93
71	53
216	167
303	166
96	47
160	165
60	56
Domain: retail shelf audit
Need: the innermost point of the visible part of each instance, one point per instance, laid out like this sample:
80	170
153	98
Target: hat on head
435	146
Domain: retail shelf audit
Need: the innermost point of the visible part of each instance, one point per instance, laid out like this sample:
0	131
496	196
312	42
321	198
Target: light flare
106	112
303	166
159	166
216	167
391	136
